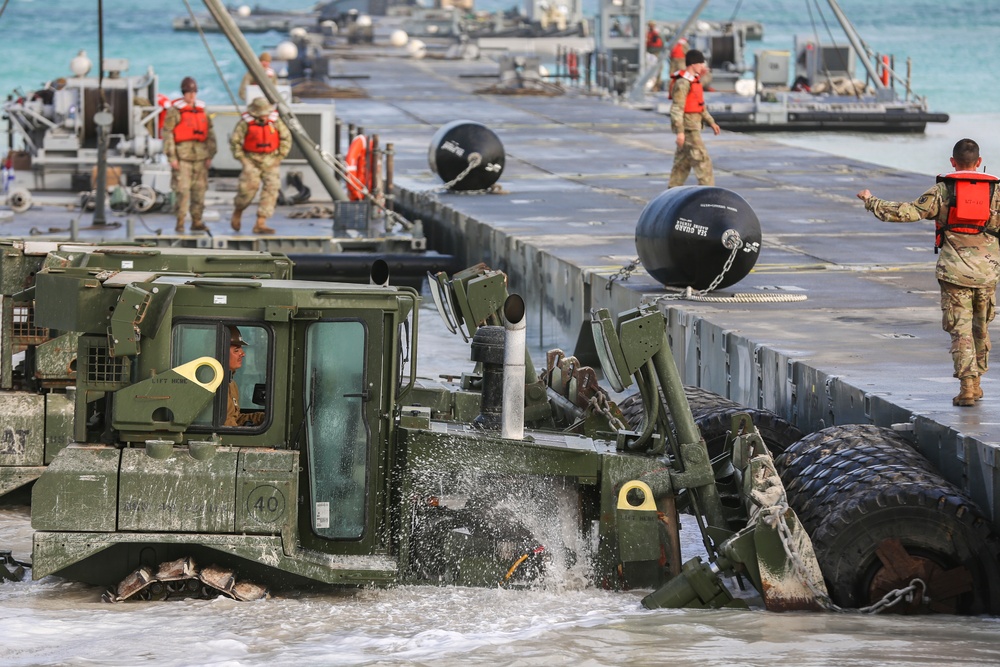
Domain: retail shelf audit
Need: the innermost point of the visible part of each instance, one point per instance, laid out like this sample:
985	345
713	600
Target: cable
201	33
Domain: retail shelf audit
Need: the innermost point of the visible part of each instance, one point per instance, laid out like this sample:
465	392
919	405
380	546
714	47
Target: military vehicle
320	459
38	364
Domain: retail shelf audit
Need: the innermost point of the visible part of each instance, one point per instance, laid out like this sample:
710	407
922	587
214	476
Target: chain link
475	159
775	516
599	403
624	273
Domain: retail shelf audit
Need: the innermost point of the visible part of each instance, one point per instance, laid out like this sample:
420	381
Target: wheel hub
944	586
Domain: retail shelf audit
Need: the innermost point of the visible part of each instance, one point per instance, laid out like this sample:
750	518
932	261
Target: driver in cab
235	417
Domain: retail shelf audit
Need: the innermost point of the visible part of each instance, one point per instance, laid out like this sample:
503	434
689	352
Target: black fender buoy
685	236
453	146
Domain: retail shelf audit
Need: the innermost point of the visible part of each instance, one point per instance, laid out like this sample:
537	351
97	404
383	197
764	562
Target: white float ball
399	38
297	33
286	51
244	11
364	21
416	48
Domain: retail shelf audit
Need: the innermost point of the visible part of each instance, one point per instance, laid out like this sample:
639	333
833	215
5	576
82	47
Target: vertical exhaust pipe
513	368
379	274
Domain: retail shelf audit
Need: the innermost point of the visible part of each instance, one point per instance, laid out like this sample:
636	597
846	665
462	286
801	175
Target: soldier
966	207
687	115
260	142
235	416
248	78
677	55
189	144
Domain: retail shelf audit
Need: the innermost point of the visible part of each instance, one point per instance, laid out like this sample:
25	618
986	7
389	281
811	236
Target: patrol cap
236	338
265	57
260	107
694	57
189	85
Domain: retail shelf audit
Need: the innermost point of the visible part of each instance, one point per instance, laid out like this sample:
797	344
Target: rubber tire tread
929	516
847	477
816	445
700	400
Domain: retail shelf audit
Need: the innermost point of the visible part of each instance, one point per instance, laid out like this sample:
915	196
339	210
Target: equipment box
351	215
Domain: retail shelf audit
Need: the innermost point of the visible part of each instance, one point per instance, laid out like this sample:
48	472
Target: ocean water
952	44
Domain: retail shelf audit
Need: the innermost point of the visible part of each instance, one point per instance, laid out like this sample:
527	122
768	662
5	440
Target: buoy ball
451	148
286	51
399	38
244	11
685	236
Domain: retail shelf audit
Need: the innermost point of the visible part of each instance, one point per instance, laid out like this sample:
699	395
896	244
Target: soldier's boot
978	393
198	226
234	221
261	228
180	227
967	394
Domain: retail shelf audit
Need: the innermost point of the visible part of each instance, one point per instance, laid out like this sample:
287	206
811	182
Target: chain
475	159
624	273
775	516
599	403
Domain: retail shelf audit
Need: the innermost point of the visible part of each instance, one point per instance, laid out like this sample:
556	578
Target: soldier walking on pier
189	144
260	142
965	204
687	116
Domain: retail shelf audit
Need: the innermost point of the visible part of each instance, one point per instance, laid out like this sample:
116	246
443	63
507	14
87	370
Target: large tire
810	449
846	478
700	400
939	528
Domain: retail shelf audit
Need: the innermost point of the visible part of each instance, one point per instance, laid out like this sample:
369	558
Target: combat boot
261	228
978	393
180	227
198	226
967	394
234	221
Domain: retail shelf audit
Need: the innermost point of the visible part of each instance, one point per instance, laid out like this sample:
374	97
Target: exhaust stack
379	274
513	368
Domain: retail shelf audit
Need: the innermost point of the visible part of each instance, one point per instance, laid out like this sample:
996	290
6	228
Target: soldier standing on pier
687	116
265	62
260	142
965	205
189	144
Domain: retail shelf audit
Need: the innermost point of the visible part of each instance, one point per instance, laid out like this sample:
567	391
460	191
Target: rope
211	55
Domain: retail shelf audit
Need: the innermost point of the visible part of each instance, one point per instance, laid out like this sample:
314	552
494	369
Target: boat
248	20
813	86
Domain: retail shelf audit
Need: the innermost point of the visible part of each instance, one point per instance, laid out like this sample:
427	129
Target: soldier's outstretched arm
926	207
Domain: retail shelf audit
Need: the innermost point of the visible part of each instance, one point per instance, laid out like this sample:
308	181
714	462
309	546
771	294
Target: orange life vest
695	102
653	41
193	125
970	194
262	134
678	51
359	178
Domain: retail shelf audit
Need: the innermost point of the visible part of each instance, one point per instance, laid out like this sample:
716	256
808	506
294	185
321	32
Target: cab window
243	350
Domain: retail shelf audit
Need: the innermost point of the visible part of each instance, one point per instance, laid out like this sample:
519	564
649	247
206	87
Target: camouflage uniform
258	167
189	180
968	268
693	153
248	79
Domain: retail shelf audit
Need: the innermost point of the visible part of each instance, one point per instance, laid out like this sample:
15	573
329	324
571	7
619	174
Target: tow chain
475	159
689	294
775	516
599	403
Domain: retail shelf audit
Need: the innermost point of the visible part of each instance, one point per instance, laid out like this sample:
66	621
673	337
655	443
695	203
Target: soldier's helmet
189	85
260	107
236	338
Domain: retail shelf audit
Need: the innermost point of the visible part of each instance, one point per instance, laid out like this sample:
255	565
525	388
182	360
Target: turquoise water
953	45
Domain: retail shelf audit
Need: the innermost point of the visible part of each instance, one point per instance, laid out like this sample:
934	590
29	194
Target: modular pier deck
865	347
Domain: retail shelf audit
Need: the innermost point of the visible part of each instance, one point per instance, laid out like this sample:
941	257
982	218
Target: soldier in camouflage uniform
248	78
189	144
260	142
968	266
687	115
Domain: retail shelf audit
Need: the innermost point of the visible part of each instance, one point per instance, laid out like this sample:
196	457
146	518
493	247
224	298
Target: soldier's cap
265	57
236	338
694	57
260	107
651	24
189	85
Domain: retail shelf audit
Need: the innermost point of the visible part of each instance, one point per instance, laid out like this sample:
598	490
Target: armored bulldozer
237	435
38	363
